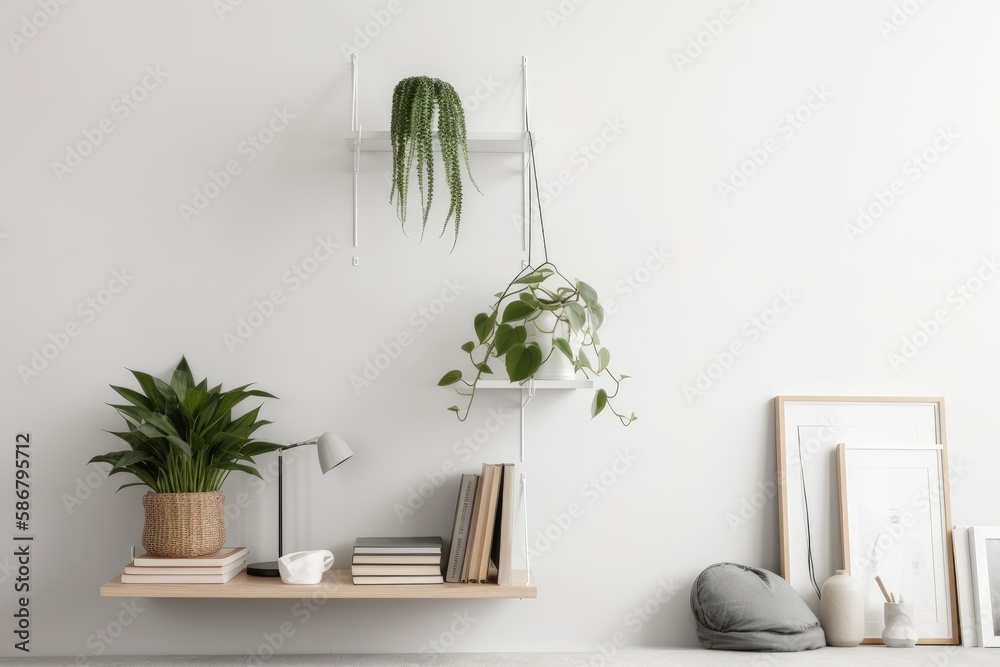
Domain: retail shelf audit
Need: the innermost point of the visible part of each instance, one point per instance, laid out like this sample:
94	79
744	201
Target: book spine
456	557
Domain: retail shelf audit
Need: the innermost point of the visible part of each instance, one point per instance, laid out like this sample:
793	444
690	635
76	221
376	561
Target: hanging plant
509	332
503	333
411	133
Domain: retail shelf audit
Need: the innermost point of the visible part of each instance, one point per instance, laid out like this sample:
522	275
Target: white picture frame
964	586
807	431
896	524
984	548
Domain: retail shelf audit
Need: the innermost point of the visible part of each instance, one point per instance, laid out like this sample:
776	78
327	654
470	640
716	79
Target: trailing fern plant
182	435
414	103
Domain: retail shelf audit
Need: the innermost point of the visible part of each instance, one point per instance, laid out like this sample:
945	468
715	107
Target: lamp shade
332	451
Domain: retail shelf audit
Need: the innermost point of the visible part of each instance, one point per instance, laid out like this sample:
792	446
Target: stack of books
217	568
482	536
397	560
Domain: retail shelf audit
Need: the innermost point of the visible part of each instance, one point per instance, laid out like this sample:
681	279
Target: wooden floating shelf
336	583
539	384
478	142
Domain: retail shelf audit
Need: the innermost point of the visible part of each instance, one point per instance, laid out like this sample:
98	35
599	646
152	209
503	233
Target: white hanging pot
542	330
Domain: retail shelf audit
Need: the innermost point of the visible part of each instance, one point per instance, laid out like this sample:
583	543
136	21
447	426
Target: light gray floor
879	656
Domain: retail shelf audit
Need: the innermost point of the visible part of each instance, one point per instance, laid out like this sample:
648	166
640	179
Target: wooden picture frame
895	524
984	548
807	431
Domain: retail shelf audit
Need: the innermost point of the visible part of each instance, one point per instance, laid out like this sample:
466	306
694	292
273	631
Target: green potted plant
183	443
416	101
541	317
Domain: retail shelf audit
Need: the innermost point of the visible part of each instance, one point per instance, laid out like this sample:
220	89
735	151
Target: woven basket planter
182	525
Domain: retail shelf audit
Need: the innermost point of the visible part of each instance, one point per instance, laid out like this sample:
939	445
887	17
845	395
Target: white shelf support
525	172
356	130
528	389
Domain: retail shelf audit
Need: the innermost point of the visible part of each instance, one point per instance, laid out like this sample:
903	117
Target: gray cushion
740	608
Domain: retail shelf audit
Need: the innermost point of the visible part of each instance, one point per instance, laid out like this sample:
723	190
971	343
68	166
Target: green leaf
563	345
532	278
576	315
484	326
517	310
529	299
603	359
522	361
468	346
587	293
485	368
508	335
134	397
454	408
451	377
600	401
584	361
596	311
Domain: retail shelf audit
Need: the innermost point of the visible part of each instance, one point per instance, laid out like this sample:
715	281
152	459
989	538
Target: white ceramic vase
899	631
542	330
842	610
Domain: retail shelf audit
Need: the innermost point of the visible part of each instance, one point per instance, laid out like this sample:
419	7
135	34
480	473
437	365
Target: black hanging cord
538	197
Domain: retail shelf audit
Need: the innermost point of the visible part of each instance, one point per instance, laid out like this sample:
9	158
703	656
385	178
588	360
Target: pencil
878	580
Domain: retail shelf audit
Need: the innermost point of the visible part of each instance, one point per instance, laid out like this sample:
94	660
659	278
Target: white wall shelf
360	141
336	583
477	142
538	384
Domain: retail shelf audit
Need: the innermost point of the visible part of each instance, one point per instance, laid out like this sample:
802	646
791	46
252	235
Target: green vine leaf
576	315
468	347
449	378
484	326
516	310
603	359
522	361
600	402
563	346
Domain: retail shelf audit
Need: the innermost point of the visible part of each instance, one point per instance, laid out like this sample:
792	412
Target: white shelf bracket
356	128
525	172
527	393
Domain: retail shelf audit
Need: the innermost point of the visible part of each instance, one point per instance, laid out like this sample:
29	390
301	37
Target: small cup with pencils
899	631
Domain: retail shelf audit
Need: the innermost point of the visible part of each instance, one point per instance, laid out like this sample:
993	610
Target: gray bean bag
740	608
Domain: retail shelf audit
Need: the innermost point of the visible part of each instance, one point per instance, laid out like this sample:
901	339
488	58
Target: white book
223	556
180	578
224	569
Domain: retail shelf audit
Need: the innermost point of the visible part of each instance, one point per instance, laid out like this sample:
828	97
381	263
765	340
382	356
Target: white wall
682	128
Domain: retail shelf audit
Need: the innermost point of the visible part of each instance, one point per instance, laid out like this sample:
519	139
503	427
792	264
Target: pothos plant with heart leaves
502	331
502	336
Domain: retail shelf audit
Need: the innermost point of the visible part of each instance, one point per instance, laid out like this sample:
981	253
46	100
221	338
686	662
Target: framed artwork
984	547
807	431
895	525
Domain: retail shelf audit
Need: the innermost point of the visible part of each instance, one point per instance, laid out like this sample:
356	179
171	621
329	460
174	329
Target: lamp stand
270	568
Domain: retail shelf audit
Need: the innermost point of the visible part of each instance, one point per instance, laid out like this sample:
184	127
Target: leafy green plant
502	334
182	435
414	102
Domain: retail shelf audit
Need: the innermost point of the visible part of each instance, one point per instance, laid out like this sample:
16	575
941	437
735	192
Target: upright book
460	530
490	497
503	551
473	550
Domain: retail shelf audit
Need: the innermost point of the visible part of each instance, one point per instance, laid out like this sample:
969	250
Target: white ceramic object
304	567
542	330
899	631
842	610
